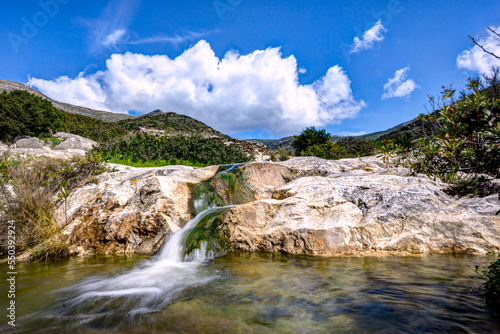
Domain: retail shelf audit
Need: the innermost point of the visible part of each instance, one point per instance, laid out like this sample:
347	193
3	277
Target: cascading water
147	288
153	284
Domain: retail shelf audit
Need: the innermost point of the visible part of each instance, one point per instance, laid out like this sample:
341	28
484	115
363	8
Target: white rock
29	143
74	142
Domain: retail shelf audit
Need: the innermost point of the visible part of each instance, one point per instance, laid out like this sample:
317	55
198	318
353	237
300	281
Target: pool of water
253	293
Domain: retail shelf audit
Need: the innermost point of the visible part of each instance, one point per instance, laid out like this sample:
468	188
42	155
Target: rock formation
131	210
301	206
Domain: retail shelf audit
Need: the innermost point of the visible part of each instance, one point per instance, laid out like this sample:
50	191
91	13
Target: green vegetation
312	142
308	138
94	129
208	231
171	123
22	113
191	150
492	284
38	186
463	146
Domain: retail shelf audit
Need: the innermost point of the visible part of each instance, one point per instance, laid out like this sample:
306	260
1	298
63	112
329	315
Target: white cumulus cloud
475	59
370	37
259	90
399	85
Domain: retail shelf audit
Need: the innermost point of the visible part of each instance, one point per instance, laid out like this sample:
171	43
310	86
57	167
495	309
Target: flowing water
253	293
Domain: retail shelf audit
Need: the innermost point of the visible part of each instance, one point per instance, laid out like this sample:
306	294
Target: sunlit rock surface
301	206
131	210
358	206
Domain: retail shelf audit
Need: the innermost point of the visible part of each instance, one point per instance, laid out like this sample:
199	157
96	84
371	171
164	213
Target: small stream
253	293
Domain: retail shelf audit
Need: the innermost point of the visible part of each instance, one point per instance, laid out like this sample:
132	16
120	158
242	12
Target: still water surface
253	293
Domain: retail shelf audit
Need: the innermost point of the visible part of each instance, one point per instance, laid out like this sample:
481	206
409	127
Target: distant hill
104	125
412	129
106	116
157	121
169	123
284	143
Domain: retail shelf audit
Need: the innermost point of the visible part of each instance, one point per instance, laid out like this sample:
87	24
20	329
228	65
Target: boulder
131	210
3	148
46	152
74	142
360	207
301	206
28	142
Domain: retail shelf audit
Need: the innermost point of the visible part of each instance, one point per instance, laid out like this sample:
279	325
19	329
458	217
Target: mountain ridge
165	122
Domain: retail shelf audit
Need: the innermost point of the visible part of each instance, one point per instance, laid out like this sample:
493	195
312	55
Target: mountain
412	128
169	123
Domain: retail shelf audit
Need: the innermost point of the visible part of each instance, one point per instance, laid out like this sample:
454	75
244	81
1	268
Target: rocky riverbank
302	206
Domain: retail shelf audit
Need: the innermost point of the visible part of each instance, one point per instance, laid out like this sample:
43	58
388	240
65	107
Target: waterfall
152	285
174	248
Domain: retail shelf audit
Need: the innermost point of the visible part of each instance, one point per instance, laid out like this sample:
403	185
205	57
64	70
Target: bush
492	284
22	113
94	129
352	147
464	144
172	150
309	137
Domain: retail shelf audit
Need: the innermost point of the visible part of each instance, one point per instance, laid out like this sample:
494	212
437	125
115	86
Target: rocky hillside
159	122
105	126
413	128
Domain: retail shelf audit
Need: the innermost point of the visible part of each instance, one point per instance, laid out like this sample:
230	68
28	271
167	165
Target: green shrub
94	129
492	285
284	154
191	150
22	113
310	137
352	147
463	147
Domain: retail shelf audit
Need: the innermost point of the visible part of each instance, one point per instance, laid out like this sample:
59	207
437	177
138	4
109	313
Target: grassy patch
153	163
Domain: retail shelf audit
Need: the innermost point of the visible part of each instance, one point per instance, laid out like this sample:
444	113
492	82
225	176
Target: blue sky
252	69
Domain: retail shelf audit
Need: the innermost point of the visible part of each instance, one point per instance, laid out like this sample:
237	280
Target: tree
309	137
22	113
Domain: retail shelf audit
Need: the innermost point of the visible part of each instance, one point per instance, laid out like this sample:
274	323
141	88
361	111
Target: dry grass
29	196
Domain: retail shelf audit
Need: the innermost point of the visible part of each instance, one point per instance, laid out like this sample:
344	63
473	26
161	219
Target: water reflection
266	293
